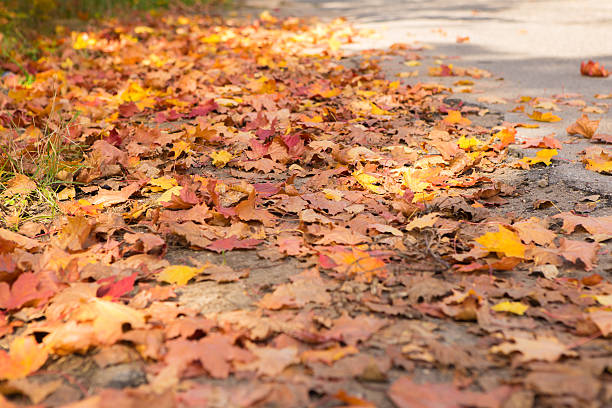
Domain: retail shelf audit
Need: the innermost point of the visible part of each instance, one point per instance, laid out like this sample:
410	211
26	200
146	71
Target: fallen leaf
579	250
229	244
24	357
540	348
221	158
511	307
178	274
544	117
542	156
593	69
454	117
505	241
583	126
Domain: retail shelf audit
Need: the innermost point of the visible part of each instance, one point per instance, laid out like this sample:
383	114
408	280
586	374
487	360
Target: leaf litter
351	231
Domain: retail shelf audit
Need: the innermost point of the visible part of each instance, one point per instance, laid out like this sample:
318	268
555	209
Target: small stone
543	183
119	376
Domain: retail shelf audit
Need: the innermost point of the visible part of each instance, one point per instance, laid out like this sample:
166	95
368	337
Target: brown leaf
540	348
354	330
579	250
307	287
271	361
583	126
75	234
107	198
533	230
599	227
407	394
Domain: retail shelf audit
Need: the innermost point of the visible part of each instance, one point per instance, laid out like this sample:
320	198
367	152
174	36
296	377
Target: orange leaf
455	117
24	357
593	69
544	117
583	126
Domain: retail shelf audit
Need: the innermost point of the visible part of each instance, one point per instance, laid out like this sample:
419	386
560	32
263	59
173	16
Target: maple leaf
505	241
271	361
598	159
579	250
542	156
107	198
246	210
215	352
357	263
28	289
454	116
354	330
540	348
548	142
468	143
544	117
328	356
128	109
231	243
605	138
512	307
20	184
162	183
307	287
407	394
75	234
179	274
593	69
603	321
118	288
599	227
369	182
532	230
24	357
221	158
506	136
10	240
583	126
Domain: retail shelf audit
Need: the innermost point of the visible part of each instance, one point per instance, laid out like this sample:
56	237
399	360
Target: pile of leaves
402	279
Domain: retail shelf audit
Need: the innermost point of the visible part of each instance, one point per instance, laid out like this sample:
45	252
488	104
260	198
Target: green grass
49	161
28	26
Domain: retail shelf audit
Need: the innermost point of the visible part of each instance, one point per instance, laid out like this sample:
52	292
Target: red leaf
27	289
127	110
593	69
119	288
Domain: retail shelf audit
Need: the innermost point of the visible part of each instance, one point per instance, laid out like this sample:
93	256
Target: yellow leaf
468	143
332	194
600	167
179	147
413	63
24	357
166	197
505	241
544	117
369	182
221	158
378	111
179	274
512	307
67	193
542	156
162	183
